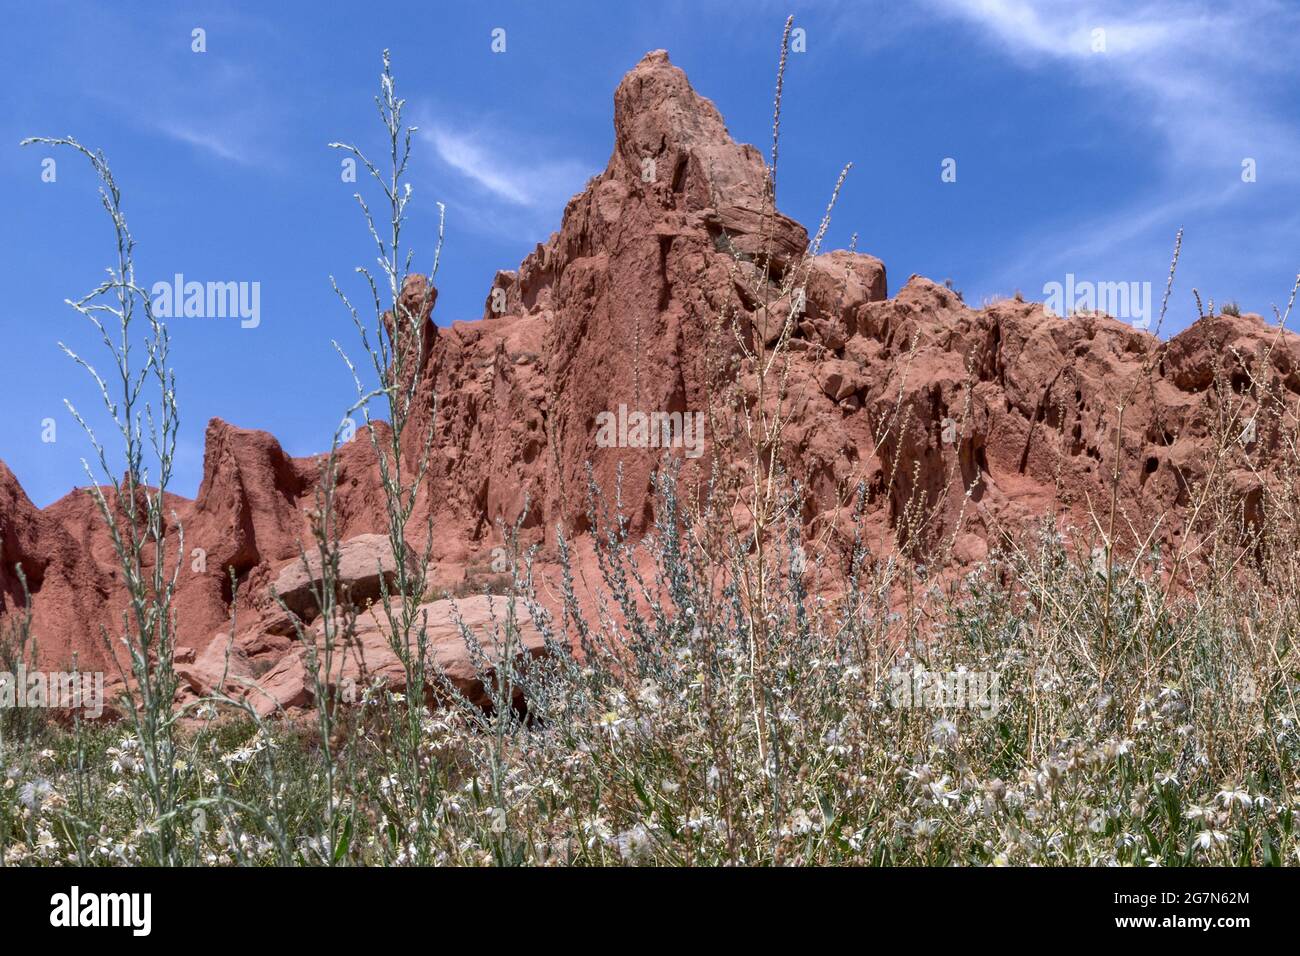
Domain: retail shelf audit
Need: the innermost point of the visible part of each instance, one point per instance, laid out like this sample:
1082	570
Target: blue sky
1069	160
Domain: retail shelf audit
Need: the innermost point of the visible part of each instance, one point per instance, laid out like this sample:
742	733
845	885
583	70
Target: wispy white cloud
216	105
1196	68
491	163
1215	83
502	192
481	165
1059	30
220	144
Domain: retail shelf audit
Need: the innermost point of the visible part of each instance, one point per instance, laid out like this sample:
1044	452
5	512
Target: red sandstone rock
917	396
365	565
368	659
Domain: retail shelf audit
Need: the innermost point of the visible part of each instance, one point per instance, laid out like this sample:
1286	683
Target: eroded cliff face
976	423
620	307
917	395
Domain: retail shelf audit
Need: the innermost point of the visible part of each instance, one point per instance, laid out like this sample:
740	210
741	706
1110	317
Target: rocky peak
672	146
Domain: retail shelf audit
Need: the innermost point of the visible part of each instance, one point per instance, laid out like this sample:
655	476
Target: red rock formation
978	422
69	594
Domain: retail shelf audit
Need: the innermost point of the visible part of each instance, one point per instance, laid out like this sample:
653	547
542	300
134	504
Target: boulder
368	659
365	565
